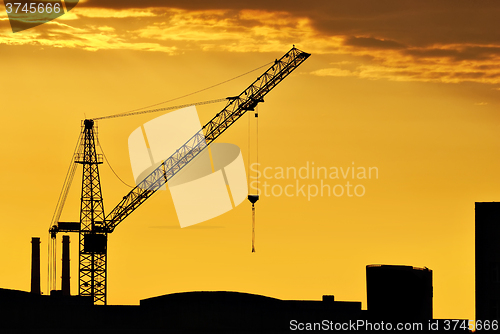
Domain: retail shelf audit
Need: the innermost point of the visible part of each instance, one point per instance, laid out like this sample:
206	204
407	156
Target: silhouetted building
218	311
399	299
399	292
196	312
187	312
487	260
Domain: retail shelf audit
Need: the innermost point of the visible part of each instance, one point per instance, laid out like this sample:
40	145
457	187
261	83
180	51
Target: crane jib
237	106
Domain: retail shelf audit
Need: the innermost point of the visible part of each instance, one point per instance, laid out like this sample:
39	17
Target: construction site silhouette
397	296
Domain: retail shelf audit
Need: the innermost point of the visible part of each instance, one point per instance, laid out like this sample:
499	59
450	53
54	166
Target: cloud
333	72
445	41
457	52
446	73
165	30
243	31
372	43
418	23
88	37
110	13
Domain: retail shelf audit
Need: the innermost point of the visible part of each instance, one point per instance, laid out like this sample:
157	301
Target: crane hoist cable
257	159
63	195
253	198
66	185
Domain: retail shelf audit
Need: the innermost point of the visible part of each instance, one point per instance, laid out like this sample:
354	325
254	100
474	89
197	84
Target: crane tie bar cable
160	109
132	112
107	161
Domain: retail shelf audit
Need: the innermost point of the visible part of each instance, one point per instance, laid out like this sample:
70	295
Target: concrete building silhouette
487	261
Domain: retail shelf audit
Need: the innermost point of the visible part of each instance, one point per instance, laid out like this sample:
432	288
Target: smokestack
65	266
35	266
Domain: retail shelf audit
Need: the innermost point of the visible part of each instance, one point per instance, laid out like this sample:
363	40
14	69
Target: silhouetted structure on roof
487	260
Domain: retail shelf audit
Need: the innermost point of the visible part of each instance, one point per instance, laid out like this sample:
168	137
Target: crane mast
93	236
94	226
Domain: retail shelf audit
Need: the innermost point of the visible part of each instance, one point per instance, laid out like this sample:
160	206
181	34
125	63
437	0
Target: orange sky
412	90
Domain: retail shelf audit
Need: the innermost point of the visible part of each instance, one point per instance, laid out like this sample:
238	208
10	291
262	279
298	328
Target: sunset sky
409	87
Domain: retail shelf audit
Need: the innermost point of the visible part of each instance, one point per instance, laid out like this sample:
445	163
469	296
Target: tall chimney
65	266
35	266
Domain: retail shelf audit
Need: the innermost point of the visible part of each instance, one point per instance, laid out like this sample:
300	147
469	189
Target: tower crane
94	226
